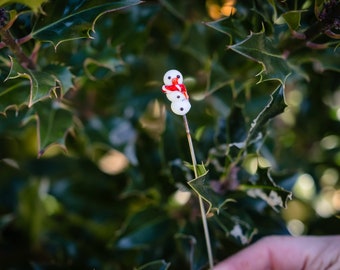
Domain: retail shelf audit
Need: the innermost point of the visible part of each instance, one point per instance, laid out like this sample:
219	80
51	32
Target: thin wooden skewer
202	208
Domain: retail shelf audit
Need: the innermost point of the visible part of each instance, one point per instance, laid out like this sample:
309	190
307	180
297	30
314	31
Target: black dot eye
182	109
169	77
178	76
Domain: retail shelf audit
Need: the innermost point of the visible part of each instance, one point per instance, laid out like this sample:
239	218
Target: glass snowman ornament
176	92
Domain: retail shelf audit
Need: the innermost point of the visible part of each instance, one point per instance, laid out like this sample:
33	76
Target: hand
287	253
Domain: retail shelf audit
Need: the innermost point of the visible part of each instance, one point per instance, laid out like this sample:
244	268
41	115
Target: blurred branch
9	41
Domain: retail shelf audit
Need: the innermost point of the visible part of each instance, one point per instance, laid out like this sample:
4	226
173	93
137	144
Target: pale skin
287	253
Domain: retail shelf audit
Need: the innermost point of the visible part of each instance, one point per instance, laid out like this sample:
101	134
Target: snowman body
176	92
181	107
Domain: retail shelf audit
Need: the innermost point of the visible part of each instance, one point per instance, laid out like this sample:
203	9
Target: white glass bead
175	96
172	74
181	107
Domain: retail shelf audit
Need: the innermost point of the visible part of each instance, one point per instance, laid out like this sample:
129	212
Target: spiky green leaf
74	20
292	18
266	189
203	188
26	86
241	230
40	82
53	121
258	47
227	27
276	106
155	265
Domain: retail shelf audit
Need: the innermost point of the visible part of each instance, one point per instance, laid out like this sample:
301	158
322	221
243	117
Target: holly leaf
228	27
155	265
74	20
322	60
203	188
35	5
292	18
39	83
103	64
53	121
62	76
240	230
276	106
260	48
266	189
318	5
12	120
13	94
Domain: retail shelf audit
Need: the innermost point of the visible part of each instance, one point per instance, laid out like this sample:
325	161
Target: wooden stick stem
202	208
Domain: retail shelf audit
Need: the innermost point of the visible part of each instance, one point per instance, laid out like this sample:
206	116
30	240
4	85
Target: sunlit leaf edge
261	74
35	34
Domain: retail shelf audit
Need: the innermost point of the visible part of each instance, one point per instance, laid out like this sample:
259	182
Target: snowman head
172	77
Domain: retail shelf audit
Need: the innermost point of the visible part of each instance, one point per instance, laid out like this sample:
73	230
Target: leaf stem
202	208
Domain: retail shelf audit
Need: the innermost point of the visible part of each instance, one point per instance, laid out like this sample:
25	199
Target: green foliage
260	49
73	20
34	5
94	167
